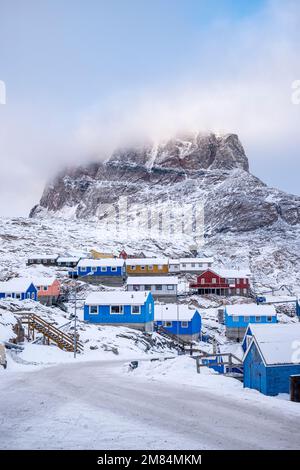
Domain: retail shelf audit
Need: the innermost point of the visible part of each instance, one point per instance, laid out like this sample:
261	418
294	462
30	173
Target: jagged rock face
207	168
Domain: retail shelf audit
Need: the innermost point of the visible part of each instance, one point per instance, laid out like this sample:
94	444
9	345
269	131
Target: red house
222	282
123	254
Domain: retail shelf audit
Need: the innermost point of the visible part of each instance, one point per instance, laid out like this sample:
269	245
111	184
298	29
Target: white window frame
214	280
170	287
235	319
150	267
160	266
9	295
158	287
93	269
18	296
83	269
202	281
269	319
258	319
136	313
93	313
184	324
33	295
168	324
246	318
116	313
114	269
104	269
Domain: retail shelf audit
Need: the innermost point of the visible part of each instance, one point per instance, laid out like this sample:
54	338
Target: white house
159	286
189	265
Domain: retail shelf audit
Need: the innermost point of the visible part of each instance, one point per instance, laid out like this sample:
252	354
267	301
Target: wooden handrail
50	331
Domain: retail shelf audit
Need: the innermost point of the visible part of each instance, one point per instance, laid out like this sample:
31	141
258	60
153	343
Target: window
113	269
150	309
136	309
245	291
257	319
176	266
183	265
246	319
33	295
136	288
116	309
148	287
238	291
132	268
160	266
158	287
170	287
18	296
202	280
45	288
231	281
93	269
83	269
150	267
28	295
214	280
236	319
193	265
9	295
184	324
93	310
103	269
269	319
167	324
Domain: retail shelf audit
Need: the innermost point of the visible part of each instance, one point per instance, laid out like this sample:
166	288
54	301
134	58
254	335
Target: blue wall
241	322
24	295
269	380
104	316
194	326
120	271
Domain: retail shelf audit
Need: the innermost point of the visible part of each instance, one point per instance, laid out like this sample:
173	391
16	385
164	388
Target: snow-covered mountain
247	223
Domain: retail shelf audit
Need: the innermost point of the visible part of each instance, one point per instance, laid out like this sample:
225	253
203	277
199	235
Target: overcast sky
85	76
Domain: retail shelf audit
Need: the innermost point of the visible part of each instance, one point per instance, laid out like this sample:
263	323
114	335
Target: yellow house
147	266
98	255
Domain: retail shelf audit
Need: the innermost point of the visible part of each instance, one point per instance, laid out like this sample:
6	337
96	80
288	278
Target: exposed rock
207	168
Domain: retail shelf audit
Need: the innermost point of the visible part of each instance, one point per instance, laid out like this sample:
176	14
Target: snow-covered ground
160	405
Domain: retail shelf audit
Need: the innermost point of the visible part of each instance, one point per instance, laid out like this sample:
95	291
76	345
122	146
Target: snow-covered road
92	405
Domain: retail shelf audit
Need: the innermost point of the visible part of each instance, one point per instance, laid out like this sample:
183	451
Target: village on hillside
163	307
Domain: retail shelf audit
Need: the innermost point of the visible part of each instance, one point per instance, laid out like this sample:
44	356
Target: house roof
15	285
250	310
69	259
146	261
90	263
191	260
277	343
117	298
43	281
151	280
232	273
173	312
43	257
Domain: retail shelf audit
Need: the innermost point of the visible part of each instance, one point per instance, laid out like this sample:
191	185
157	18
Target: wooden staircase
50	333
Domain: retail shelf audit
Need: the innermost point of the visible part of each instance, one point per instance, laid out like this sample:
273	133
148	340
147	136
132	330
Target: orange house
147	266
48	289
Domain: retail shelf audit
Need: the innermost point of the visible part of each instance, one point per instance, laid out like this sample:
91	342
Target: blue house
272	356
239	316
19	289
179	320
109	269
131	309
